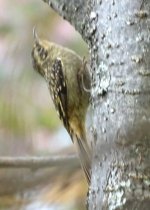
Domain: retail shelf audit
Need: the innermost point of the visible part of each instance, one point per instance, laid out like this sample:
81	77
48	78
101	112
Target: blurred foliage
10	120
48	119
25	104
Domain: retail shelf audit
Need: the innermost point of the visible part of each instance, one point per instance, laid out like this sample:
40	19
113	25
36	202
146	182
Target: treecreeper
68	80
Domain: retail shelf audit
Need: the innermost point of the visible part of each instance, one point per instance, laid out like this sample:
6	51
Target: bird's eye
43	54
38	47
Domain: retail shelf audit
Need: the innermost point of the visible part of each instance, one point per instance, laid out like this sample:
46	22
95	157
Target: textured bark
118	35
121	97
77	12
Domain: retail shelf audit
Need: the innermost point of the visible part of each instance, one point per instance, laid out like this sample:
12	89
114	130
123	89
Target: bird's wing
58	90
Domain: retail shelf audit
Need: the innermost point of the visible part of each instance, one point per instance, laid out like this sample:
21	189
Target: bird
68	80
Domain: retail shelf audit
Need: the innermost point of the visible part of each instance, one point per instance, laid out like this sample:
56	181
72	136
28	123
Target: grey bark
118	35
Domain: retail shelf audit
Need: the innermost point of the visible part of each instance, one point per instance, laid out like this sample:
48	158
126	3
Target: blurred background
29	124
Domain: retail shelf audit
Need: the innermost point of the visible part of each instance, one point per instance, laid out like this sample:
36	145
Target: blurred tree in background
28	122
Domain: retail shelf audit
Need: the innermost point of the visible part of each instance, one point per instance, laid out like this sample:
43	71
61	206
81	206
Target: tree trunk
118	35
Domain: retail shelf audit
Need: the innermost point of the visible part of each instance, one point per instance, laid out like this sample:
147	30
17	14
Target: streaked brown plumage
65	72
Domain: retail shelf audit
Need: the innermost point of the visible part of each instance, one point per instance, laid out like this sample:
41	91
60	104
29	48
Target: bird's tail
85	156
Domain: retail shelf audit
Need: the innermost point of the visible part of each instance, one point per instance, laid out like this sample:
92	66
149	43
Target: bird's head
39	53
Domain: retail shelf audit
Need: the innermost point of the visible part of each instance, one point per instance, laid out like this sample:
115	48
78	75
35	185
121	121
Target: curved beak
35	36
